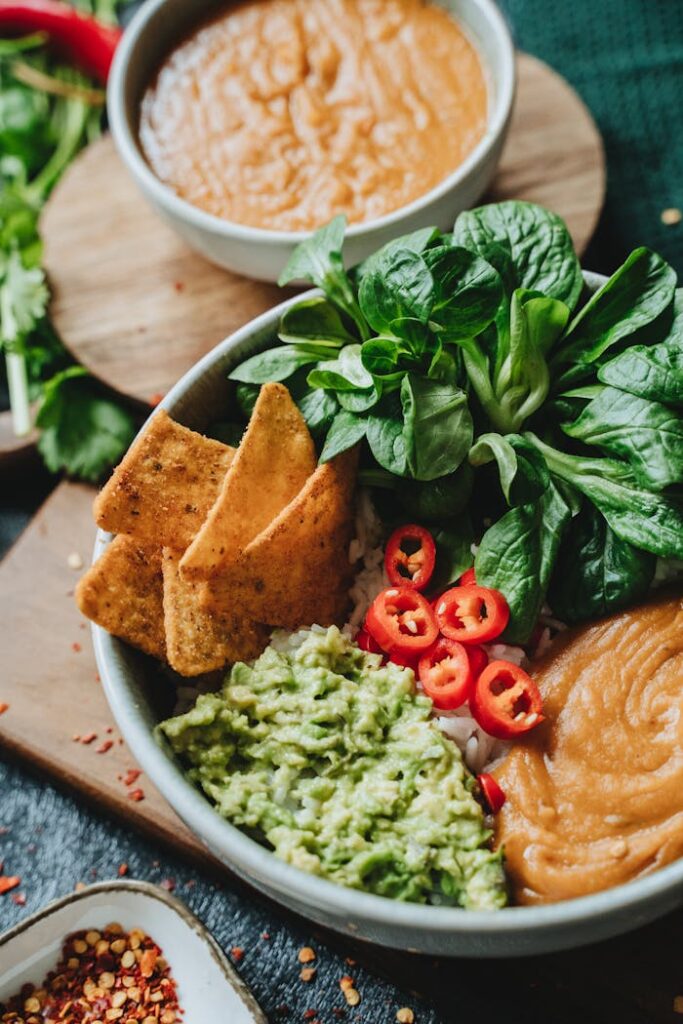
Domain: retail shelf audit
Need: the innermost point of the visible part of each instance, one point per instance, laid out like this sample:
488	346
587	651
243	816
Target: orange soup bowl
261	252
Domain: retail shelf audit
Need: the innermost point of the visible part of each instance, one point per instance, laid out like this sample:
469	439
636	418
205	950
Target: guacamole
331	759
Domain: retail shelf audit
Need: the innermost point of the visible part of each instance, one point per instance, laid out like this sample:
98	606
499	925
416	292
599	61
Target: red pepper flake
265	936
123	869
131	776
105	974
190	884
19	898
109	729
136	794
310	1014
8	882
168	884
179	286
76	647
104	747
97	677
4	706
237	953
76	738
4	829
88	737
156	398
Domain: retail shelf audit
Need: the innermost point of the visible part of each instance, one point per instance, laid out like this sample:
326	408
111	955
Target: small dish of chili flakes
118	951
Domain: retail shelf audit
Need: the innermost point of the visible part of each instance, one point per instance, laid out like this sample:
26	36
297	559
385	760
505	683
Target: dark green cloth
625	58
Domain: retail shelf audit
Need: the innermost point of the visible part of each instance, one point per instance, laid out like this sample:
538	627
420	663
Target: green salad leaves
497	400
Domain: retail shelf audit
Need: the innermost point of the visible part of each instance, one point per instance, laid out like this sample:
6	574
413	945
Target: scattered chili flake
307	973
351	994
306	955
189	884
76	738
123	869
265	936
338	1012
105	747
156	398
5	829
237	953
179	286
88	737
19	898
8	882
349	961
672	215
405	1015
136	794
97	677
76	647
4	706
109	730
131	776
74	561
79	886
168	884
310	1014
103	975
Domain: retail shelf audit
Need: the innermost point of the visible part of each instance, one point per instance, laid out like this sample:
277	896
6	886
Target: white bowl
209	988
198	399
261	253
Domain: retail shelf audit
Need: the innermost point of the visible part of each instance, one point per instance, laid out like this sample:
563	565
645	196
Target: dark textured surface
626	59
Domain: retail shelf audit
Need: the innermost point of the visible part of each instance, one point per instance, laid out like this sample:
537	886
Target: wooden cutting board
138	308
49	677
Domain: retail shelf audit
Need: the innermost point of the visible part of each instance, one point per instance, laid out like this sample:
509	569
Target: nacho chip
163	489
297	571
197	641
122	592
272	464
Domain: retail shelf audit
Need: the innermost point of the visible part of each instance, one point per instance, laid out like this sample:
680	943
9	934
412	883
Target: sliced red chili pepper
402	620
468	578
410	556
405	660
472	614
479	659
491	791
446	674
367	642
89	42
506	701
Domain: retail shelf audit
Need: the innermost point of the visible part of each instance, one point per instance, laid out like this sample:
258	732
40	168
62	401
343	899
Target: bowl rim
125	138
226	840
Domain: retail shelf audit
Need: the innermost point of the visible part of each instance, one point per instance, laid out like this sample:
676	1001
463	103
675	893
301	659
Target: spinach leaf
649	521
346	373
386	436
346	430
647	434
246	395
529	246
453	552
438	426
432	501
275	364
596	571
523	473
649	371
360	400
314	322
517	555
416	241
318	408
467	292
381	356
399	285
633	297
318	259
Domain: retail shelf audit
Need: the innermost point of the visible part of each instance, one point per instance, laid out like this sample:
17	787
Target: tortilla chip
297	571
163	489
272	464
197	641
122	592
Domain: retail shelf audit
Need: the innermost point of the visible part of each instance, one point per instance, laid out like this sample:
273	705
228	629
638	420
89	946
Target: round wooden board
138	308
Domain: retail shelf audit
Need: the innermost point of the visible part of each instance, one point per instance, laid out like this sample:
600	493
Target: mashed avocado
332	760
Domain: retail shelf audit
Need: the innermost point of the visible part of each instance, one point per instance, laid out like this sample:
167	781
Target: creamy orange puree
282	113
595	794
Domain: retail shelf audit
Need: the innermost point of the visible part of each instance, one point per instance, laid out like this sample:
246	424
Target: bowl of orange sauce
248	125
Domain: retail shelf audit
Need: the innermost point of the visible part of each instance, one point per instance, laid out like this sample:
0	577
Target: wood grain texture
138	308
49	676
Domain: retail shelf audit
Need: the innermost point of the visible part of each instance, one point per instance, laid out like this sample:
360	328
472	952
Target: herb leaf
275	364
438	427
649	371
346	430
398	286
314	322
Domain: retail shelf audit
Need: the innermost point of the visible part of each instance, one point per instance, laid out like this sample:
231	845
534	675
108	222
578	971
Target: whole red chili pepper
89	42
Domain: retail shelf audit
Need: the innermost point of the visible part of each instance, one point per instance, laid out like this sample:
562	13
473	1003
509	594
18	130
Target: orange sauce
282	113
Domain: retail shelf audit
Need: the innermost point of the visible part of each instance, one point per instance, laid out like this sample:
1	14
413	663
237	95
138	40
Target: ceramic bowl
128	677
262	253
209	988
